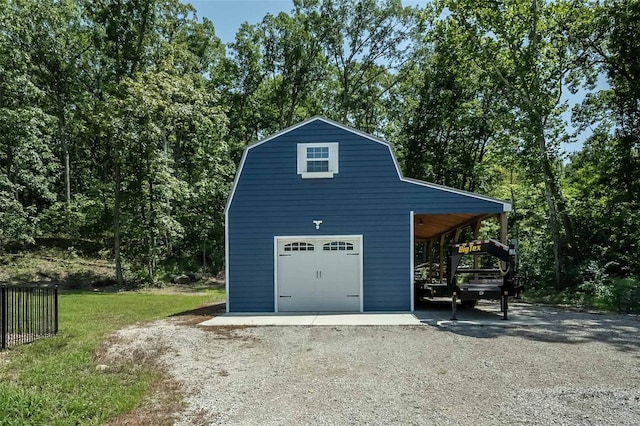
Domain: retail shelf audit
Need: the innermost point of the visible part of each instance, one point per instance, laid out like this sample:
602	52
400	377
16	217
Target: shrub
626	294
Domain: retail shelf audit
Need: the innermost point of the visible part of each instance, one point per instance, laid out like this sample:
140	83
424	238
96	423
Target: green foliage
16	222
457	114
606	207
110	127
610	294
122	123
79	218
603	180
625	293
366	45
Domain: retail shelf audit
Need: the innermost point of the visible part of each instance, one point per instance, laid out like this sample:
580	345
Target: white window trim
316	175
412	260
302	160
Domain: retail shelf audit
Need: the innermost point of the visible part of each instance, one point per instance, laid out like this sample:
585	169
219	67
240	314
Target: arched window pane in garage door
338	246
299	246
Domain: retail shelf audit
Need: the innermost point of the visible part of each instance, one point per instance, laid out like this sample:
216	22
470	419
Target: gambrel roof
436	225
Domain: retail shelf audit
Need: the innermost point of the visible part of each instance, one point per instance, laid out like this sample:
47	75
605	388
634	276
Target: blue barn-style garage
320	218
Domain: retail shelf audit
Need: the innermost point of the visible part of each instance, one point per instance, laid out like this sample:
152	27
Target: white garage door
318	274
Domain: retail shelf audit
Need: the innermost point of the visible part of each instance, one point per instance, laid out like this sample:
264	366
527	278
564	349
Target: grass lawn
54	381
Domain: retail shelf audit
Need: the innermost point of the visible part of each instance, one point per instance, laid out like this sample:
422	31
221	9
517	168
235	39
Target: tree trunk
67	179
554	224
204	256
116	225
62	134
152	230
67	176
345	95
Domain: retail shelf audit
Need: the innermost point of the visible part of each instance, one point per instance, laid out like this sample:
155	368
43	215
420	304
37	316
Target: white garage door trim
277	238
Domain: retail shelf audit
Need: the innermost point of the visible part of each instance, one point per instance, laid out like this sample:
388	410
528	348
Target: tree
245	76
455	115
367	45
622	65
616	110
277	69
27	164
295	65
603	180
607	219
59	52
531	47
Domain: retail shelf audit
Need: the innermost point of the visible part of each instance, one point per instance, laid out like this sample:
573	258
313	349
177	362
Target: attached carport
431	230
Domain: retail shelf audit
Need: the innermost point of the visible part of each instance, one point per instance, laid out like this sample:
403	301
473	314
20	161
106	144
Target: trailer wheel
469	303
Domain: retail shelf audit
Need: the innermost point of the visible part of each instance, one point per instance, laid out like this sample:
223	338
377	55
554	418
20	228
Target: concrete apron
437	316
314	318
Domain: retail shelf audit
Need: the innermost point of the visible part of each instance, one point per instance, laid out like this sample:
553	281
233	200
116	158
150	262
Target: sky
227	15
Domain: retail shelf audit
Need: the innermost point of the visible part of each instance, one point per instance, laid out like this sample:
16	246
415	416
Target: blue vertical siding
366	197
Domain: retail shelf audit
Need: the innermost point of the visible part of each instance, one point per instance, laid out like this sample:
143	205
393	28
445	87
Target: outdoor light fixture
317	223
420	221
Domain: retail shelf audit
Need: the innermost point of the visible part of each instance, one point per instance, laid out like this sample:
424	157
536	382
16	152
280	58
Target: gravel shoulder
582	370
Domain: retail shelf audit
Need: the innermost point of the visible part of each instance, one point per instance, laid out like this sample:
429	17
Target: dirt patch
196	316
55	267
165	398
195	288
229	332
4	359
203	313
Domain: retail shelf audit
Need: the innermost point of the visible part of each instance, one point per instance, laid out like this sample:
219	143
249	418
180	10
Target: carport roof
429	226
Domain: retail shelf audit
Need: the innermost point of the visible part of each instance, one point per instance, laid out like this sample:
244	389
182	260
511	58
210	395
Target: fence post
55	296
4	312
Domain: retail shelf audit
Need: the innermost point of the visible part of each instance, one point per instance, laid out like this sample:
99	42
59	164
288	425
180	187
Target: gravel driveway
584	369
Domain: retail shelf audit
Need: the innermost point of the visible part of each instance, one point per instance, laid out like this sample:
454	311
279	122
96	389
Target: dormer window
317	160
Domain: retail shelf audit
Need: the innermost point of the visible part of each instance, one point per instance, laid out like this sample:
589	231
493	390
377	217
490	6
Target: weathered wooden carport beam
456	237
476	234
430	259
502	219
441	265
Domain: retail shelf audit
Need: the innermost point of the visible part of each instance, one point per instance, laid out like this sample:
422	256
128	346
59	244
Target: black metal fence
26	314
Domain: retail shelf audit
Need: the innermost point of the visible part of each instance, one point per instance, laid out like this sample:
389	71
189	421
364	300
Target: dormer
317	160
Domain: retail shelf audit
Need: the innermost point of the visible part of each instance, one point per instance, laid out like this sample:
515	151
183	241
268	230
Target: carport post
441	272
505	305
503	239
476	233
430	260
502	218
453	307
424	251
456	237
412	247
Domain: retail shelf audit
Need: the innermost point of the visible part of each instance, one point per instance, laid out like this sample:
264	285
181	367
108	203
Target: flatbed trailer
495	283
